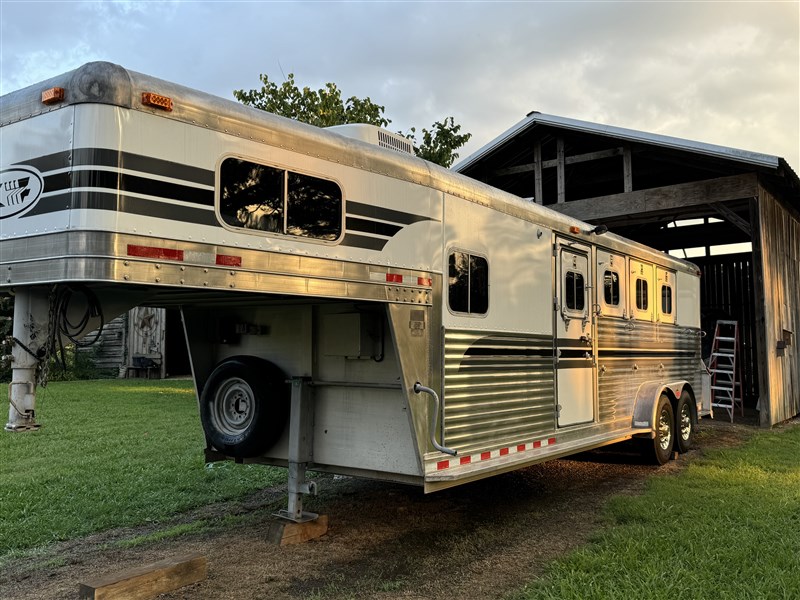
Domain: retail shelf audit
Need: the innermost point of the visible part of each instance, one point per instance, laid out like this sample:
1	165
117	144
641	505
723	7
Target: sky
724	73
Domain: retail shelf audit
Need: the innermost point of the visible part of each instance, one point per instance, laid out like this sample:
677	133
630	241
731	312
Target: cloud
723	73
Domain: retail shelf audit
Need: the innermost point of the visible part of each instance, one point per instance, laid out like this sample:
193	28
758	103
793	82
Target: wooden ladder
726	375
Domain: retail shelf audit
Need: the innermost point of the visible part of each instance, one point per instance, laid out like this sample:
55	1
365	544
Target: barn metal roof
536	118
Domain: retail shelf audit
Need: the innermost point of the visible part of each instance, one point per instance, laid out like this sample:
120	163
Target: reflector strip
225	260
484	456
401	279
153	252
203	258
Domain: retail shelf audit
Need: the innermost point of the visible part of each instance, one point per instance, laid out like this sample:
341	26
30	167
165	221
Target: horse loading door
574	319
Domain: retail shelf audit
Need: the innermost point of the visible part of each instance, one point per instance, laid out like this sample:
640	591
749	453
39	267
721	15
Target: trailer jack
31	315
301	438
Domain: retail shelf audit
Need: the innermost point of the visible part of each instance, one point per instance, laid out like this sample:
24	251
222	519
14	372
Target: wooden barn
734	213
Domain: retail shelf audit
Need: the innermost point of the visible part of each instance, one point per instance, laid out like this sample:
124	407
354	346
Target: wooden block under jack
284	533
141	583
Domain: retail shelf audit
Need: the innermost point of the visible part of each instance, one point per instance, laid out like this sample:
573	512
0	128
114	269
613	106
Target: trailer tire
244	406
664	440
684	423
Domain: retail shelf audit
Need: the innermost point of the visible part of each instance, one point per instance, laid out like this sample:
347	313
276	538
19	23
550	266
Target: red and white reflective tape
203	258
401	279
460	461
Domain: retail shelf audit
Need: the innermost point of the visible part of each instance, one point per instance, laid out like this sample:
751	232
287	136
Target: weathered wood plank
537	174
561	175
549	164
285	533
141	583
721	189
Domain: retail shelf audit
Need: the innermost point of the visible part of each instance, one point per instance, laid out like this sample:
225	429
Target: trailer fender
644	408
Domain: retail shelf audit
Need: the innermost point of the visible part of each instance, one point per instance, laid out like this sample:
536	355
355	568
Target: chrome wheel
233	406
685	422
665	430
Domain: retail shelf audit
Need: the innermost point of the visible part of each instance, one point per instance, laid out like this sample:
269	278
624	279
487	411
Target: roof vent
375	135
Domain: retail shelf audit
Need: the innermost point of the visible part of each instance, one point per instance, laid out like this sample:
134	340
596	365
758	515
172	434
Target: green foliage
325	108
727	527
439	144
110	454
322	108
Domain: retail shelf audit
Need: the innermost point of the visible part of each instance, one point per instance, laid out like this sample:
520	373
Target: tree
325	107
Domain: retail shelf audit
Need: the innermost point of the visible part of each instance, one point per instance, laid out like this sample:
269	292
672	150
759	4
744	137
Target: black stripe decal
125	204
384	214
362	241
141	185
50	162
660	353
566	354
489	351
103	157
372	227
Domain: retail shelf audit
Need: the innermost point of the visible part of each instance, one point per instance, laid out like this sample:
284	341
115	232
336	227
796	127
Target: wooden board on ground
284	533
148	581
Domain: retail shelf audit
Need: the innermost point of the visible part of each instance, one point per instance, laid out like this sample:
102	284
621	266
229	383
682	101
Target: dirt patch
386	541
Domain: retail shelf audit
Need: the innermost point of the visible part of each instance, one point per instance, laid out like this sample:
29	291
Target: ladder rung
726	339
725	371
723	388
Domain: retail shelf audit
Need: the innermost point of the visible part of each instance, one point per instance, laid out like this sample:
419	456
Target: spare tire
244	406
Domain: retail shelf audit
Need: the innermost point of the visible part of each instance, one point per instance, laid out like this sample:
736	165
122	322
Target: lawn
110	454
727	527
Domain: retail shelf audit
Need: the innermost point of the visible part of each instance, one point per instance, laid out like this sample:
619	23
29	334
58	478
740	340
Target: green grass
110	454
727	527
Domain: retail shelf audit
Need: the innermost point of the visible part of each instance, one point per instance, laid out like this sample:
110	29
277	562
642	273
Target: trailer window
574	294
611	288
666	299
641	294
254	196
468	290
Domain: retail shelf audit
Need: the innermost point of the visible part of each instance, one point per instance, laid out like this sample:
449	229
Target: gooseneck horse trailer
347	306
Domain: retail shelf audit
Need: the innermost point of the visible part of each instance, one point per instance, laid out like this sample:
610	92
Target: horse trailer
348	307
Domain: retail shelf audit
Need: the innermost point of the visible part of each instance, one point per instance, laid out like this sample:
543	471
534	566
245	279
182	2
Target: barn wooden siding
109	353
727	292
776	250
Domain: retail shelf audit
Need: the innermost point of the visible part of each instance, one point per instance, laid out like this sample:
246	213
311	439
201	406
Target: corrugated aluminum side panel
498	389
633	352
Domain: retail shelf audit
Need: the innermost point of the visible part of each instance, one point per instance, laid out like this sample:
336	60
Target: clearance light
53	96
157	101
574	229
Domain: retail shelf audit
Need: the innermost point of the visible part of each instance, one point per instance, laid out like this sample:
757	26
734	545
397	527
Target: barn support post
760	320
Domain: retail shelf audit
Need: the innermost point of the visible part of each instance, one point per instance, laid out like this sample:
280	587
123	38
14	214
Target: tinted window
468	283
574	292
641	294
611	288
254	196
666	299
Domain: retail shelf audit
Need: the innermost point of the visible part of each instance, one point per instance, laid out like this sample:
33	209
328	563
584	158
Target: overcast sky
720	72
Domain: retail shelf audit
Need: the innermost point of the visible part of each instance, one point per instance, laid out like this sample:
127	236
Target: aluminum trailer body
432	330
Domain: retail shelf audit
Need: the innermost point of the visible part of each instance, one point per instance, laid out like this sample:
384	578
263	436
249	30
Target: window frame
470	255
645	271
286	170
667	279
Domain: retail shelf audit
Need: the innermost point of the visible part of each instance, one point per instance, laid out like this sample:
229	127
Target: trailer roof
108	83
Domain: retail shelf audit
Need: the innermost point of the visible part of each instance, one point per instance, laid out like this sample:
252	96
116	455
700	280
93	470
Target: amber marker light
574	229
53	96
157	101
